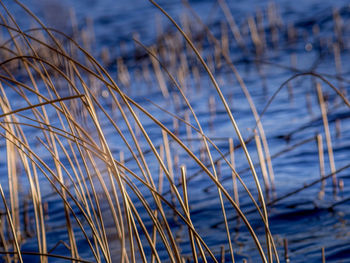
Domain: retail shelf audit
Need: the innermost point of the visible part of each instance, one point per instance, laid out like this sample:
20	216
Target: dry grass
60	136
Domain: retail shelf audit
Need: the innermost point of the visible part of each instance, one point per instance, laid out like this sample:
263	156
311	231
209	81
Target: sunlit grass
62	115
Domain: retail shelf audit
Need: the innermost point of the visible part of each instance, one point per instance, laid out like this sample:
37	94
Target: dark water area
291	122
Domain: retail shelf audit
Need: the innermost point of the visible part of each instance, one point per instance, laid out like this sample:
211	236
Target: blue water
305	221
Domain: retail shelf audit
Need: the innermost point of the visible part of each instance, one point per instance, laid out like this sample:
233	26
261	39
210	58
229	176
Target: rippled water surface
290	122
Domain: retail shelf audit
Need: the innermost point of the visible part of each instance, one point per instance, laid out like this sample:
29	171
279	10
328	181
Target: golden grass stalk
9	218
321	161
328	135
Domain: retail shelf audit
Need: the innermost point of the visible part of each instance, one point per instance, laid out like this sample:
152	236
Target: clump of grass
71	153
114	172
